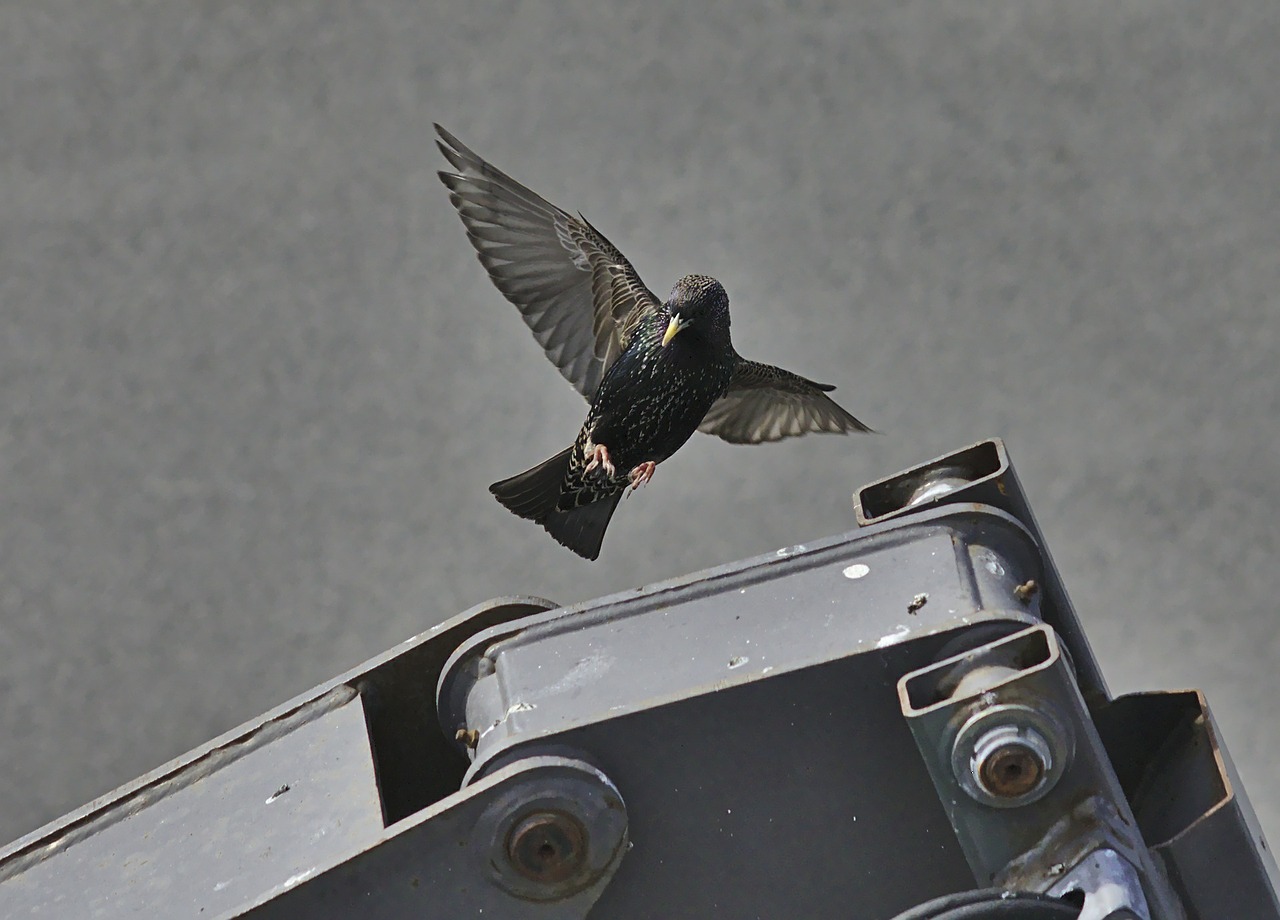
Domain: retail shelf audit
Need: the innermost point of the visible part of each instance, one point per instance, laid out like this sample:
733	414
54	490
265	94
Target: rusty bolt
1011	771
548	847
1009	754
1010	762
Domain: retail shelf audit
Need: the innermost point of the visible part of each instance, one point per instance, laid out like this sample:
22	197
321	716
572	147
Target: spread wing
575	290
766	403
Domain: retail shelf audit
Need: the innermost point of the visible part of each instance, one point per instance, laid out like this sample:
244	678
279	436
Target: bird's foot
599	458
642	474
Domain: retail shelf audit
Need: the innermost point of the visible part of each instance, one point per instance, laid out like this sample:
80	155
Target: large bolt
1011	771
1011	754
556	827
1011	763
548	847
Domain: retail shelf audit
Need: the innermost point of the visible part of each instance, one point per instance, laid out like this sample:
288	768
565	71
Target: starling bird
653	372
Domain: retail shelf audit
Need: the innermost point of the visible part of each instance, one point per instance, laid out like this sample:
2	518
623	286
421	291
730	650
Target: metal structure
845	728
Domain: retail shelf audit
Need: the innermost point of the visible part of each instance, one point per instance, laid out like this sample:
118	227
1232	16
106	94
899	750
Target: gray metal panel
135	831
449	861
750	716
792	797
257	813
1234	836
803	606
1190	804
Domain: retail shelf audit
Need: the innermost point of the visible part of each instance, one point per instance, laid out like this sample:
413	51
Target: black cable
992	904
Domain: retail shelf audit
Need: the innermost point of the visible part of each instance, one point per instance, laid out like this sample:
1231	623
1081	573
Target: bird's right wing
575	290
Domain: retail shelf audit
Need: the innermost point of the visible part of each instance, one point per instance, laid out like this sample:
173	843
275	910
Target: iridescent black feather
653	372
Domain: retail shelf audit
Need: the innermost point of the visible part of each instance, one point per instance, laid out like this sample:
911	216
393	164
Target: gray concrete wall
253	383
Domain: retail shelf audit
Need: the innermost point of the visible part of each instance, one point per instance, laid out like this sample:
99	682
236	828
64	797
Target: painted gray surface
253	383
259	814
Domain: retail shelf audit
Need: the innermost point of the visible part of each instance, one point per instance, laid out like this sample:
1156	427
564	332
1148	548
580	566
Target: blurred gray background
253	382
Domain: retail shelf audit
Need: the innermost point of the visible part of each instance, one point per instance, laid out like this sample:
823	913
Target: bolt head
548	847
1010	755
1011	771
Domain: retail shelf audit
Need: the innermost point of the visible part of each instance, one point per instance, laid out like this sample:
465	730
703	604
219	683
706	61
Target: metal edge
241	734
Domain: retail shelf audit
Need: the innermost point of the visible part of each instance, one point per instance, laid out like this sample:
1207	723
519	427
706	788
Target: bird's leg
642	474
599	455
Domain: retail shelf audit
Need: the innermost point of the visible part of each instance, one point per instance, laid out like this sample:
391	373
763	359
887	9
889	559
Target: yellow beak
672	328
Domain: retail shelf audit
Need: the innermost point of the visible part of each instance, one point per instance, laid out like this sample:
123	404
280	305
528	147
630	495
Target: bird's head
700	303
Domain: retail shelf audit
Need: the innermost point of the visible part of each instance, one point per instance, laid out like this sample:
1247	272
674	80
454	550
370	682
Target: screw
1025	591
548	847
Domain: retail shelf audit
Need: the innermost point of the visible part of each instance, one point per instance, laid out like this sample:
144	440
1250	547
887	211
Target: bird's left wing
575	290
766	403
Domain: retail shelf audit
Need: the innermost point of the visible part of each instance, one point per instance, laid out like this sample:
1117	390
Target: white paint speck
300	877
857	570
900	632
520	707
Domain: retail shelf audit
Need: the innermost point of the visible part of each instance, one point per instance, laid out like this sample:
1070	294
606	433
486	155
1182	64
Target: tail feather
582	529
535	495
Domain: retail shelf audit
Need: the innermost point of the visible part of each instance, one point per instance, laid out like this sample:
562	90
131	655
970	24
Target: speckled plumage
653	397
653	372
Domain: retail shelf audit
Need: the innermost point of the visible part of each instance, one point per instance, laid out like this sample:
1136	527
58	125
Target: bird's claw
642	474
600	458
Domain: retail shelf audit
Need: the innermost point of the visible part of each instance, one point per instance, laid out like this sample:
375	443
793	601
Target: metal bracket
983	474
1024	778
1110	885
539	838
